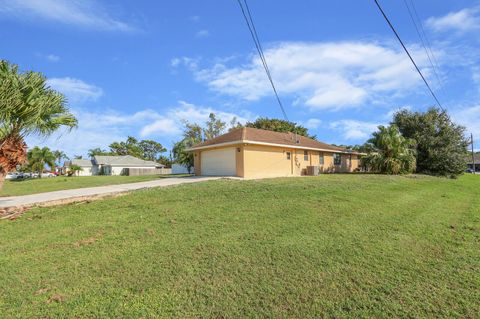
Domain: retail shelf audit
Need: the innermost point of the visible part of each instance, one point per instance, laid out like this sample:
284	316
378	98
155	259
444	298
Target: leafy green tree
97	151
278	125
441	144
129	147
192	135
214	127
27	107
234	124
182	156
394	154
151	149
38	158
165	160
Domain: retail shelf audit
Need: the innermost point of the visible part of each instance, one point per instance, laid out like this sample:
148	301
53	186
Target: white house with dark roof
112	165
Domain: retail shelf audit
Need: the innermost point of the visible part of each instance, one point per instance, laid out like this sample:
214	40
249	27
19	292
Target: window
289	156
321	160
337	159
305	155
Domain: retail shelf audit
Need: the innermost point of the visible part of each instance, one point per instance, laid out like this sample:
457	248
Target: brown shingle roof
248	134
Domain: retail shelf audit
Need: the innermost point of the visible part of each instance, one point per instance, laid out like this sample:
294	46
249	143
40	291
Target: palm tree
393	153
38	158
27	107
59	156
74	170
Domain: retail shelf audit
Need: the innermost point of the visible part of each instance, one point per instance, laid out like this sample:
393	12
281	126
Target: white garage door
219	162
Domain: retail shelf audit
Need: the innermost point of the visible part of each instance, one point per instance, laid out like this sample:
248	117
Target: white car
48	175
11	176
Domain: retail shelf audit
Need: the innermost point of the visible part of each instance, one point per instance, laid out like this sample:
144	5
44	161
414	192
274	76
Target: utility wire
424	33
408	53
424	44
251	27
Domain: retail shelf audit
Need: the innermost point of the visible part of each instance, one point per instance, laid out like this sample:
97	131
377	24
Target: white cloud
84	13
101	128
76	90
330	75
355	130
467	19
48	57
470	118
190	63
52	57
194	18
312	123
202	34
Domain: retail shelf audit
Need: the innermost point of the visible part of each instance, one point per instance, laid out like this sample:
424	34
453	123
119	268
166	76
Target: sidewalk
79	193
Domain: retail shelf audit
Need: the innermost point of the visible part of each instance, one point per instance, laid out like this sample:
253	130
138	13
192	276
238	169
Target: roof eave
270	144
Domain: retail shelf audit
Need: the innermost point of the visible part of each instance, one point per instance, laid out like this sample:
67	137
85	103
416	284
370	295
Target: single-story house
477	162
88	167
254	153
113	165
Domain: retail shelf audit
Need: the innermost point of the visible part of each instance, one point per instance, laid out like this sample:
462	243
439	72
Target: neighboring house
88	167
477	162
114	165
253	153
119	165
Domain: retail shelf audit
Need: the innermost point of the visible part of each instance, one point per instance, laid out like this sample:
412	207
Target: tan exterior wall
257	161
266	161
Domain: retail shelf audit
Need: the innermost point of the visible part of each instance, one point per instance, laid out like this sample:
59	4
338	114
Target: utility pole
473	154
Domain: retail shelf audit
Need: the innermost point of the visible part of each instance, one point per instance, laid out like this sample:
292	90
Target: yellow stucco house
253	153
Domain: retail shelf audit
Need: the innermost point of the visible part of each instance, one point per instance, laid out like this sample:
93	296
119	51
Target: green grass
334	246
41	185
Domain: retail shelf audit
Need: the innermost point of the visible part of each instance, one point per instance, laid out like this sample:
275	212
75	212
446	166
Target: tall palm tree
38	158
393	154
59	156
27	107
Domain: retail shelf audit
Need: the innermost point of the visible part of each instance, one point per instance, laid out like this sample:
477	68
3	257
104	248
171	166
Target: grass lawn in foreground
333	246
50	184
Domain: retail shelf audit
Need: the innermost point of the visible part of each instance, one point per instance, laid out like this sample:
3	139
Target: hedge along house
253	153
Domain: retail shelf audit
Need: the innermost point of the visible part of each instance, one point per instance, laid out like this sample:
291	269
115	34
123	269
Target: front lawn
41	185
334	246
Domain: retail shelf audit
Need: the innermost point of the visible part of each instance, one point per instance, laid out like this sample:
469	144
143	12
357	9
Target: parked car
48	174
469	170
11	176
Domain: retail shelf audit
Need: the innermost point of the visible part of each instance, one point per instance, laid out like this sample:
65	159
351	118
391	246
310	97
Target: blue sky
141	67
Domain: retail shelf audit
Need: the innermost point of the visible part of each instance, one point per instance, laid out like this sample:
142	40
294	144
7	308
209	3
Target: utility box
313	170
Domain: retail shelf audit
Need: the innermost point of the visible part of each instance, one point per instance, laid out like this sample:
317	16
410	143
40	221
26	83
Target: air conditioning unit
313	170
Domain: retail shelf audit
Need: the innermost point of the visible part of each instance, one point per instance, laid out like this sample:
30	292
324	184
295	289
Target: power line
253	32
409	55
424	33
424	43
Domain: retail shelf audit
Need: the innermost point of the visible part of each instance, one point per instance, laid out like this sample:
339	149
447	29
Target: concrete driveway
79	193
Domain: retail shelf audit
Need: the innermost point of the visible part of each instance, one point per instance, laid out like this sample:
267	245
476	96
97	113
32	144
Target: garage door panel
221	162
